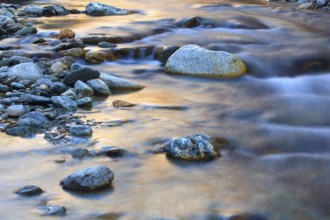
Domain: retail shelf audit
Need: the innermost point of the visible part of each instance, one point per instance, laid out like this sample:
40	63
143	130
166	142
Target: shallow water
275	117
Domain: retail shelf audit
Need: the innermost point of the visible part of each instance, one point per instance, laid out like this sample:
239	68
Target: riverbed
275	118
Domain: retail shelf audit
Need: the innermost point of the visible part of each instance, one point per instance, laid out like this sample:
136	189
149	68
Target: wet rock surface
29	190
89	179
98	9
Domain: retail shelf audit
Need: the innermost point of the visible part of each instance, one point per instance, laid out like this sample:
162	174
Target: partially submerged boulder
194	60
98	9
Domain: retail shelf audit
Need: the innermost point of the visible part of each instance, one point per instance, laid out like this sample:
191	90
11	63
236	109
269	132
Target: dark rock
40	93
16	110
83	74
74	11
98	9
120	103
79	153
99	87
80	130
16	85
247	217
34	99
21	131
162	54
39	41
3	88
58	88
105	44
189	22
194	147
25	31
89	179
29	190
54	10
64	102
85	102
70	94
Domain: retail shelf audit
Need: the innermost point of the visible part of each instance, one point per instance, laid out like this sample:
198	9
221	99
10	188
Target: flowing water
276	118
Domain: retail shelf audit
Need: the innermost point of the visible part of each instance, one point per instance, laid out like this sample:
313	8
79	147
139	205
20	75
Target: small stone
58	88
34	99
37	116
105	44
120	103
85	102
55	210
65	33
42	87
3	88
79	153
74	52
80	130
98	9
95	57
89	179
29	190
83	90
57	68
70	94
16	110
99	87
25	31
64	102
16	85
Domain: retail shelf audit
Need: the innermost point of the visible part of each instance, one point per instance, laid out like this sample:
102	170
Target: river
275	117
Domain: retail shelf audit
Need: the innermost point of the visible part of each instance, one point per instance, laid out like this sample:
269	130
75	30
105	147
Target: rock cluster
314	4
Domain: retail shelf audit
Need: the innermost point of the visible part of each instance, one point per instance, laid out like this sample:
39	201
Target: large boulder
83	74
194	60
89	179
98	9
117	83
194	147
28	71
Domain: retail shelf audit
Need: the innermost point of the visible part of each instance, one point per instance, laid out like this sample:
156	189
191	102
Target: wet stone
16	110
95	57
80	130
64	102
34	99
105	44
79	153
16	85
120	103
83	74
83	90
99	87
85	102
89	179
58	88
98	9
65	33
54	210
29	190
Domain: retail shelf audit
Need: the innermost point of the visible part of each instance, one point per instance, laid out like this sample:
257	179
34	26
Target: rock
16	85
25	31
39	41
16	110
194	147
11	53
321	3
29	190
31	10
58	88
2	108
65	33
5	21
194	60
15	60
162	54
85	102
54	10
64	102
34	99
54	210
3	88
21	131
67	61
80	130
39	117
57	68
83	74
95	57
98	9
44	81
83	89
112	151
75	11
189	22
29	71
99	87
247	217
42	87
306	6
120	103
74	52
105	44
70	94
89	179
79	153
117	83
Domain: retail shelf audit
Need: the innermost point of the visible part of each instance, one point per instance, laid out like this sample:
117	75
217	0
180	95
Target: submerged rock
89	179
98	9
29	190
194	147
194	60
121	103
29	71
117	83
80	130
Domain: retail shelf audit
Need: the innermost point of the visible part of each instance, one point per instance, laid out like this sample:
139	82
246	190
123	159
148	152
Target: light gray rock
11	53
98	9
29	71
89	179
25	31
4	21
105	44
194	60
83	90
3	88
16	85
99	87
16	110
54	210
70	94
37	116
79	153
80	130
117	83
31	10
57	68
64	102
194	147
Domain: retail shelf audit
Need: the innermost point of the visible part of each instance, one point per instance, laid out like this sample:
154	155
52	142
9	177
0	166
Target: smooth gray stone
99	87
64	102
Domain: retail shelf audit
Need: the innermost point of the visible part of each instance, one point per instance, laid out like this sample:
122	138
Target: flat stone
25	31
21	131
120	103
117	83
29	190
16	110
194	147
105	44
83	74
80	130
34	99
54	210
28	71
99	87
98	9
64	102
89	179
194	60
